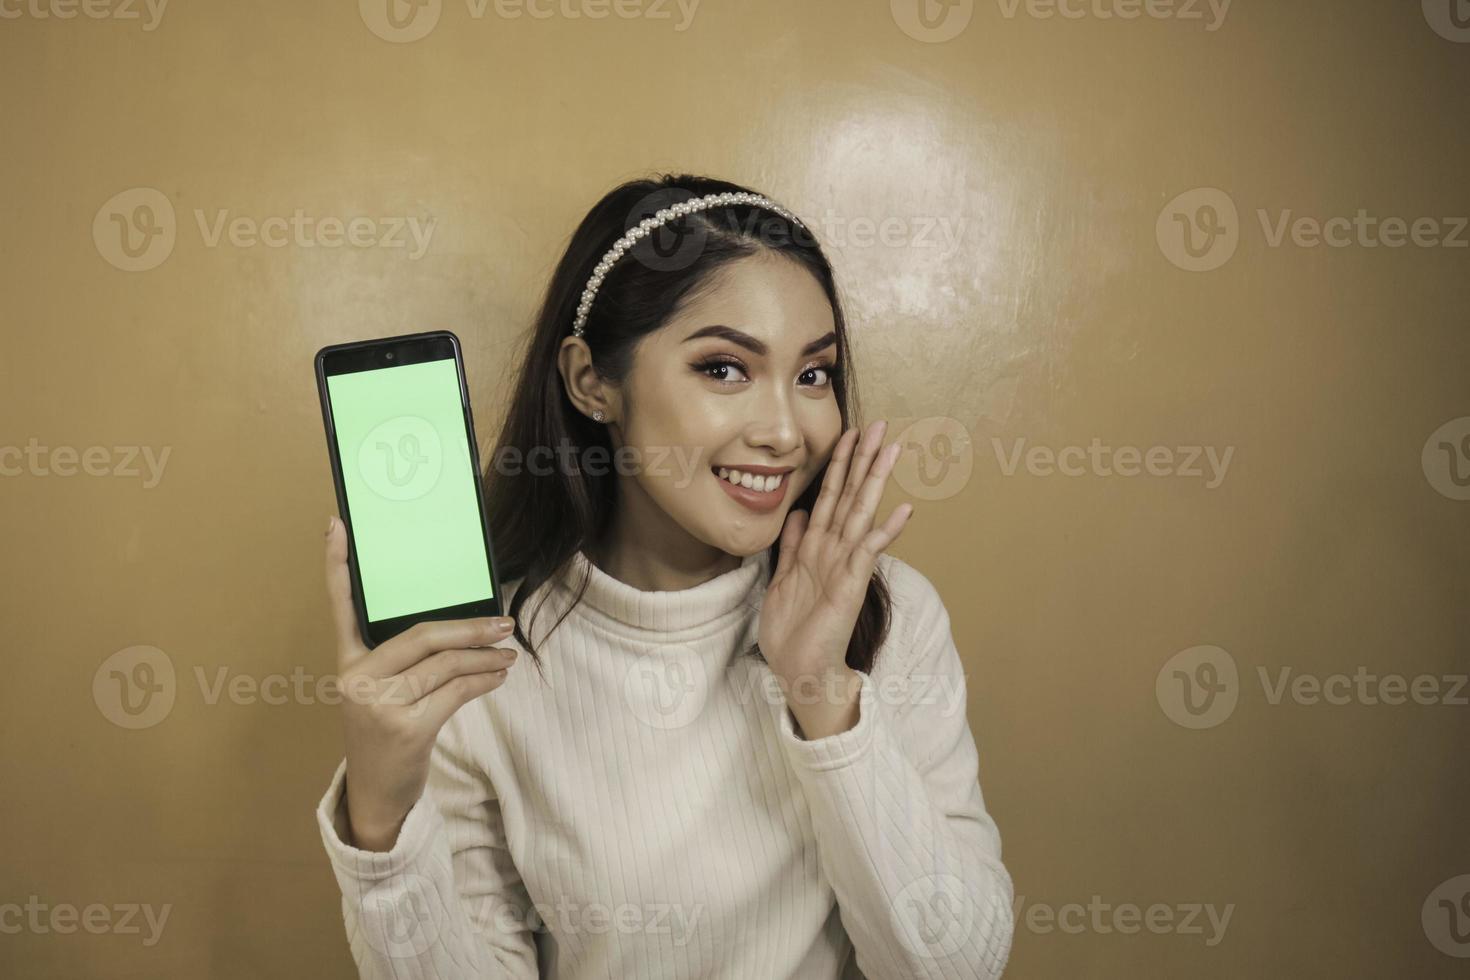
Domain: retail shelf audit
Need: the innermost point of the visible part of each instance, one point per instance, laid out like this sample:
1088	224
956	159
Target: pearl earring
598	416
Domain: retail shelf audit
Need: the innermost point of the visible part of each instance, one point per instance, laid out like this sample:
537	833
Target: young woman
744	751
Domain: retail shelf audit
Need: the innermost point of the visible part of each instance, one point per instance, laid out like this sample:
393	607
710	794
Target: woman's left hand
821	577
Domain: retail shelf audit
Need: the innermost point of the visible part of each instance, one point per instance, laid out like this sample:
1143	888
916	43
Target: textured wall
1208	463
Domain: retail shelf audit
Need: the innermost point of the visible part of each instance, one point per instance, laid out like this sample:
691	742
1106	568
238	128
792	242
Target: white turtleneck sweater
651	812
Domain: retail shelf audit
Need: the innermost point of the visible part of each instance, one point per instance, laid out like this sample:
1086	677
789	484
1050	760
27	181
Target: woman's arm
446	902
901	826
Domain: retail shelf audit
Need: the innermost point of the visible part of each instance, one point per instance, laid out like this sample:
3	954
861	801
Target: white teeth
760	484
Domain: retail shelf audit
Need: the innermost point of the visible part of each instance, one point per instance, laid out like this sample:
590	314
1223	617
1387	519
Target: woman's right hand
397	696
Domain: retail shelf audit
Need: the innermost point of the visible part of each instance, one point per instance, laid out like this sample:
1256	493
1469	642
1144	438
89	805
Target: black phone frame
365	355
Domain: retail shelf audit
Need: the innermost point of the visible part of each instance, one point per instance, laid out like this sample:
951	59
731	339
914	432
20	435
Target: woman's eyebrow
755	346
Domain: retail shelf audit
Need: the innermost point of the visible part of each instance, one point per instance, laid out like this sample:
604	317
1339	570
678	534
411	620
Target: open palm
827	559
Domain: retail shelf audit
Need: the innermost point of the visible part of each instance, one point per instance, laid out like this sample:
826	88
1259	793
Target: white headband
662	217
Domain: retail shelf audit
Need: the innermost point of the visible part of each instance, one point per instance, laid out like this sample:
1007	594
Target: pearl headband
659	218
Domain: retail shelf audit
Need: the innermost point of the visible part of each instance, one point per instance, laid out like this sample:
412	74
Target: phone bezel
365	355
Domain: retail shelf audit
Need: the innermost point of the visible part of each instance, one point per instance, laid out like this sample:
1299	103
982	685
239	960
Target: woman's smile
761	492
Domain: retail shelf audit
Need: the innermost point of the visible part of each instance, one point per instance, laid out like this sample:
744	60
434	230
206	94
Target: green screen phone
407	472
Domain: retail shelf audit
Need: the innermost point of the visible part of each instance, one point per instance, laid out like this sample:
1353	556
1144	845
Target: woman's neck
653	563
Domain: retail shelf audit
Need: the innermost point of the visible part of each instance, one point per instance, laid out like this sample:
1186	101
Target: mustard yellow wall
1006	195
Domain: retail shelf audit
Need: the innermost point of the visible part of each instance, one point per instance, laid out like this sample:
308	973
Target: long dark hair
540	517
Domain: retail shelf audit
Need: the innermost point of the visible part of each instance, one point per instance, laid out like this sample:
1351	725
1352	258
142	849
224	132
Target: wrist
813	684
372	836
371	828
824	703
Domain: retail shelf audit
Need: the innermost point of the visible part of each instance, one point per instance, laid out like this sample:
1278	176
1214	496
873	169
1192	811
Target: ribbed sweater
649	810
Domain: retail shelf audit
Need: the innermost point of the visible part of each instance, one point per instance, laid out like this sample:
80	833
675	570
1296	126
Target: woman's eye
816	376
720	370
825	372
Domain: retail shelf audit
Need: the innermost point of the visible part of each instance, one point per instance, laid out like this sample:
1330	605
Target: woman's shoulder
511	587
915	602
910	589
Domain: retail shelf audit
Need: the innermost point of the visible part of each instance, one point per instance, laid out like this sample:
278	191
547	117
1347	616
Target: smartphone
407	471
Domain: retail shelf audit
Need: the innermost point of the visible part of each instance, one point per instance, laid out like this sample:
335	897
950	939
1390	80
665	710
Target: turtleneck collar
664	612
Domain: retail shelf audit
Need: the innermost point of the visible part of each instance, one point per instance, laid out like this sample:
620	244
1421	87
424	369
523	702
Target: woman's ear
587	391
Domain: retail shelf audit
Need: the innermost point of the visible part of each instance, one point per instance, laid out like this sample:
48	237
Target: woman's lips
754	499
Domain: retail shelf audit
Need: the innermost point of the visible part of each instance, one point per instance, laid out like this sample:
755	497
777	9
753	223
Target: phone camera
389	355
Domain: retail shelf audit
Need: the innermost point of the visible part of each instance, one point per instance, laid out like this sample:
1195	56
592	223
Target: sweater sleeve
446	902
901	827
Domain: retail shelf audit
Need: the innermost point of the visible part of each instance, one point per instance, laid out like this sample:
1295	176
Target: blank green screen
410	488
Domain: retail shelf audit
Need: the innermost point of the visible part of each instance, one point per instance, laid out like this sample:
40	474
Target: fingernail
331	523
505	622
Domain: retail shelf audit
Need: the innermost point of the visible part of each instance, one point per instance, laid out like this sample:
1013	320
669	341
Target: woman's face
738	380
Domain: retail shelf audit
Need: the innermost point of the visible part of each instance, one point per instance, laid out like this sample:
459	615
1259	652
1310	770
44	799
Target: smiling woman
751	392
725	723
715	335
